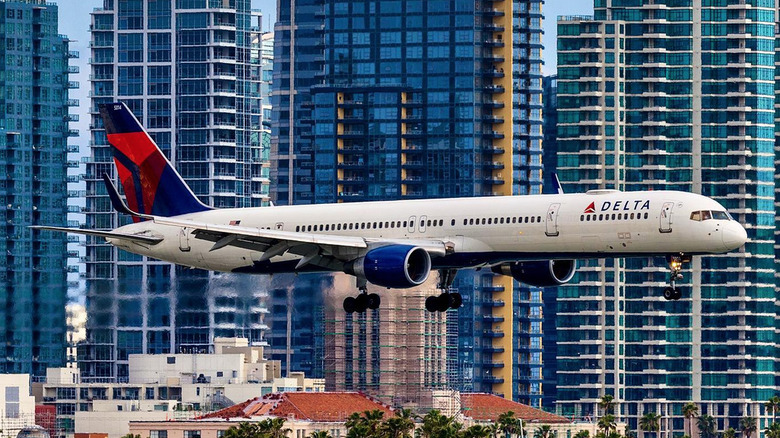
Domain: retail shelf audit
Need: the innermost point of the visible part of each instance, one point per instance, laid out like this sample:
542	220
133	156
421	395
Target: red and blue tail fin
152	186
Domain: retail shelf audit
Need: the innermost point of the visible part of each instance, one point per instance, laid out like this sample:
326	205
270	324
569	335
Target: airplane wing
141	238
319	249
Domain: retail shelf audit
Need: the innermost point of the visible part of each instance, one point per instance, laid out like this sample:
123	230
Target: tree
690	411
244	430
748	426
607	424
365	425
273	428
544	432
437	425
706	425
607	404
773	404
399	426
582	434
477	431
730	433
320	434
508	424
773	431
650	422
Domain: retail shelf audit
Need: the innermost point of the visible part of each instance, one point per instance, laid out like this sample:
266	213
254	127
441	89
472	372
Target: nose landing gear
672	292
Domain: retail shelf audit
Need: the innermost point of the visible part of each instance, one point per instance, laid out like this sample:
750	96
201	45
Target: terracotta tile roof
489	407
312	406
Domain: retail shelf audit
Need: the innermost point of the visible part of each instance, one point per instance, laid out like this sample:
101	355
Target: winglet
557	184
116	199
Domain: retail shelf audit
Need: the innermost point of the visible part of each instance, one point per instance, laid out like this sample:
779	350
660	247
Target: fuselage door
552	220
184	240
666	217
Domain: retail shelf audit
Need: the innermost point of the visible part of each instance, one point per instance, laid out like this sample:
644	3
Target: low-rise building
17	406
166	387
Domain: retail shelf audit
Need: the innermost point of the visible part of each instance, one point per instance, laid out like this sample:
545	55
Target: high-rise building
33	154
418	99
185	69
678	97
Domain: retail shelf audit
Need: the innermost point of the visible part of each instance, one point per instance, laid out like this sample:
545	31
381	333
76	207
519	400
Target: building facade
680	97
185	68
33	159
420	99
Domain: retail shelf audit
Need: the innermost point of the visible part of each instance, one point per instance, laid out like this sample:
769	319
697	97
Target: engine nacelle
544	273
396	266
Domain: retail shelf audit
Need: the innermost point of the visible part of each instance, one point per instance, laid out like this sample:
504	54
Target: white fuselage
478	231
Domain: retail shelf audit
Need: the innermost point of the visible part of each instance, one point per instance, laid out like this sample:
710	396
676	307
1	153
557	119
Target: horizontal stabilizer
141	238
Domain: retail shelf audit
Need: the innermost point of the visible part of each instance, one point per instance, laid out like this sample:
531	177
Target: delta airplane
536	239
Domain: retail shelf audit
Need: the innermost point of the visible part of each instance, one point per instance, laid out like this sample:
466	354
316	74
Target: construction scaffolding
398	353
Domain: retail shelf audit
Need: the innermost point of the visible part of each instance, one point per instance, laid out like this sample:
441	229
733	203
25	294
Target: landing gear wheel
443	302
373	301
350	305
677	294
361	303
455	300
431	304
668	294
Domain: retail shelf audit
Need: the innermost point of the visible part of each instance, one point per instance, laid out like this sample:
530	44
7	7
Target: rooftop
311	406
489	407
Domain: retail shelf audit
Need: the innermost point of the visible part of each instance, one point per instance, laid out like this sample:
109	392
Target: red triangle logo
591	208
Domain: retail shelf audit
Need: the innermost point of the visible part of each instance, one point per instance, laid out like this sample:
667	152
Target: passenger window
601	217
327	227
405	224
453	222
429	223
582	218
484	221
465	222
297	228
538	219
490	221
632	215
532	219
471	221
514	220
645	215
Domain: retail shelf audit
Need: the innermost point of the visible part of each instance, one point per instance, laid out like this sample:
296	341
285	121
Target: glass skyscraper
661	98
186	69
33	153
380	100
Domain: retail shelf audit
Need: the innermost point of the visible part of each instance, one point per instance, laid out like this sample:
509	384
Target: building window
12	401
158	434
191	434
171	359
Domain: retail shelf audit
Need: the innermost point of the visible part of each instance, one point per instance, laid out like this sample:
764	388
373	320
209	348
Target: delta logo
591	208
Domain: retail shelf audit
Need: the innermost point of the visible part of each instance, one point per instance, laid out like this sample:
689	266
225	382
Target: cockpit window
707	215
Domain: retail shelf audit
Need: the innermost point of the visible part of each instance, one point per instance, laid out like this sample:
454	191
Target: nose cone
734	236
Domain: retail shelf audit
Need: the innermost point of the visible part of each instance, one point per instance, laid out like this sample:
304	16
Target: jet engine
393	266
543	273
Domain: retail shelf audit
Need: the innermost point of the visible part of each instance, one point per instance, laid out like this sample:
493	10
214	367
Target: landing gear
446	300
363	301
676	261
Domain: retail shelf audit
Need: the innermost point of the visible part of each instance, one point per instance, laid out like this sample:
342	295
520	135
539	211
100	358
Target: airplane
536	239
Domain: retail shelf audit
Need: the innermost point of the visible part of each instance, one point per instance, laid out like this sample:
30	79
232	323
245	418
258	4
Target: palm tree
321	434
773	431
650	422
244	430
748	426
690	411
730	433
273	428
436	425
582	434
399	426
508	424
477	431
607	404
774	405
607	424
544	432
706	425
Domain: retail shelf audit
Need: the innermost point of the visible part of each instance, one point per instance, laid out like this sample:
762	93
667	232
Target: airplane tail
151	184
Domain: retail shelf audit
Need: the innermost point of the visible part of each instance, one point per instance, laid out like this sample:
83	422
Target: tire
349	304
677	294
361	303
374	301
668	293
443	302
431	304
455	300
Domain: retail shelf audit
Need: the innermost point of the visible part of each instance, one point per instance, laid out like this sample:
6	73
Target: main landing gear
673	293
446	300
363	301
